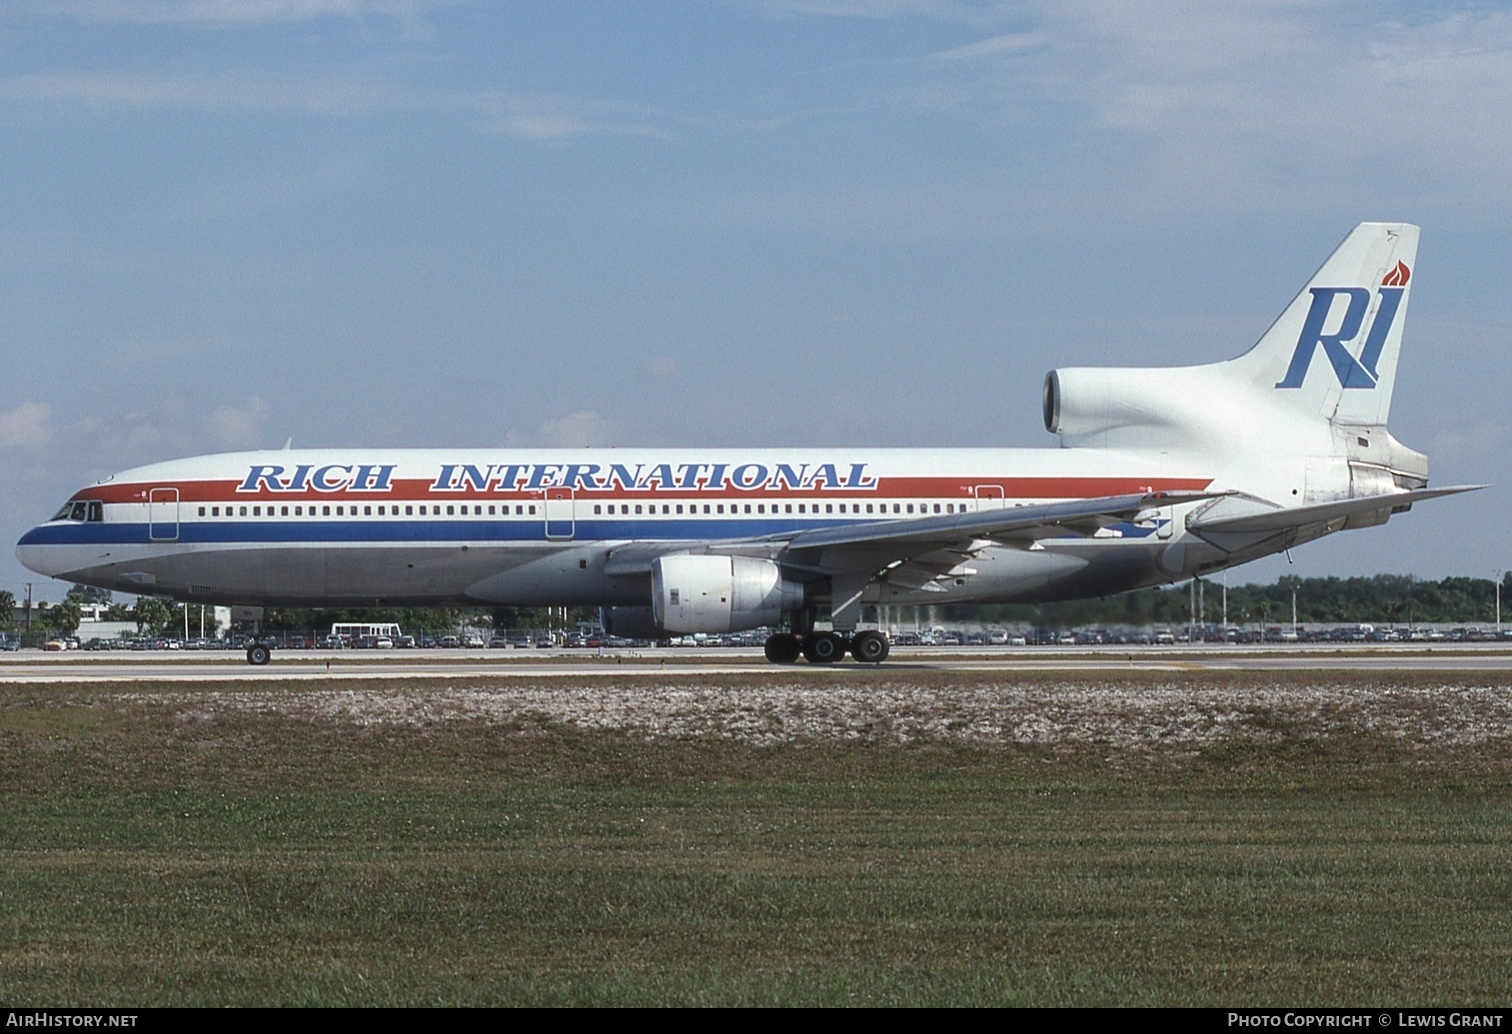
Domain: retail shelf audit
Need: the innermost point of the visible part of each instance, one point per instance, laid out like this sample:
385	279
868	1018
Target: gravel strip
1184	714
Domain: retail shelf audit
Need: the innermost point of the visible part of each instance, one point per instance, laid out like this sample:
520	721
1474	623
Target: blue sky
401	222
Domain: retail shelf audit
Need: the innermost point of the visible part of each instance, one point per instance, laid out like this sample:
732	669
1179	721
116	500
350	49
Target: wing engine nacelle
699	593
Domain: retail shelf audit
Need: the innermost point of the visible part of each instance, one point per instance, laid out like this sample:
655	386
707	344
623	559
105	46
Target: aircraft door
1165	522
163	515
990	497
561	512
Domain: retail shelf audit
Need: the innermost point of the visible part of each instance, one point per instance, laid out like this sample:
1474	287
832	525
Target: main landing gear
827	647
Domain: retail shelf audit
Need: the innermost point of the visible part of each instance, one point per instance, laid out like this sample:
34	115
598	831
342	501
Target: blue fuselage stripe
321	531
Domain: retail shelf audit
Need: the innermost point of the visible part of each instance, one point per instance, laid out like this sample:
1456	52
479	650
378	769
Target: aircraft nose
36	555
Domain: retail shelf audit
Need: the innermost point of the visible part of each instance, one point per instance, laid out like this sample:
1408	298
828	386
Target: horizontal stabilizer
1286	518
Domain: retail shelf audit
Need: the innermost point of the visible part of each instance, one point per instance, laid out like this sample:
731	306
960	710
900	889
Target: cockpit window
81	510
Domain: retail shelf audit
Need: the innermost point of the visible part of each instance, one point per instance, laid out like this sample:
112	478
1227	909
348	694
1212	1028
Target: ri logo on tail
1351	372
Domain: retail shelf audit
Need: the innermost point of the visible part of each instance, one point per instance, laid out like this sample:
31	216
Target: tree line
1382	599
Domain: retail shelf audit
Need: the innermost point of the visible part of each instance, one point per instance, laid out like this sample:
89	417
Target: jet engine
699	593
1140	407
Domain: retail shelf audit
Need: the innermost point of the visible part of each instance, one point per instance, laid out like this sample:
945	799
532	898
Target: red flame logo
1398	277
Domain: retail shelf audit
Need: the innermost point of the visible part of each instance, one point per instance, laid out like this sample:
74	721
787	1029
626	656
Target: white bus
353	632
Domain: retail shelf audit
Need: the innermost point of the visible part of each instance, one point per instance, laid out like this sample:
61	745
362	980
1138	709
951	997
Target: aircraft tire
783	648
824	648
257	653
870	648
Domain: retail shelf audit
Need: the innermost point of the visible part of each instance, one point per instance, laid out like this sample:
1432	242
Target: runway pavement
32	666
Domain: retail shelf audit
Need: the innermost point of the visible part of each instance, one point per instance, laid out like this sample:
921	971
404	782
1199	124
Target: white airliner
1162	474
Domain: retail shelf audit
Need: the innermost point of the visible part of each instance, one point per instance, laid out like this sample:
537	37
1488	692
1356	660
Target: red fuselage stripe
420	489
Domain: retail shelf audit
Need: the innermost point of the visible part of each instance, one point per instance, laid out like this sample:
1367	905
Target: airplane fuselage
539	527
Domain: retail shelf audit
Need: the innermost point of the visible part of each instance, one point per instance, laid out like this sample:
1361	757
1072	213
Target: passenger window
597	509
202	511
532	510
215	511
325	511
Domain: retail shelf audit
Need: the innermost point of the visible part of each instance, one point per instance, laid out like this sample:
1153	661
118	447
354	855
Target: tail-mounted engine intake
1141	407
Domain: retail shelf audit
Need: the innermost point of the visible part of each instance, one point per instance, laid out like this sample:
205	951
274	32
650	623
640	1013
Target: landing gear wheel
824	648
870	648
783	648
257	653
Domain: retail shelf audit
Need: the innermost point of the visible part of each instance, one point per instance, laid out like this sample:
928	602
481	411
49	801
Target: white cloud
860	8
239	427
28	426
340	96
1456	445
1185	105
1009	43
579	429
557	117
216	13
662	367
544	117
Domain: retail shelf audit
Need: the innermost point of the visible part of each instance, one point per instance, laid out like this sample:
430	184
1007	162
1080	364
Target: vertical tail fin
1333	351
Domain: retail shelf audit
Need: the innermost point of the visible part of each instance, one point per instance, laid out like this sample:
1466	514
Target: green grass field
167	846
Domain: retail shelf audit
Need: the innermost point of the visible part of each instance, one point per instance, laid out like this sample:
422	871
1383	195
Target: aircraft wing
916	553
1017	525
